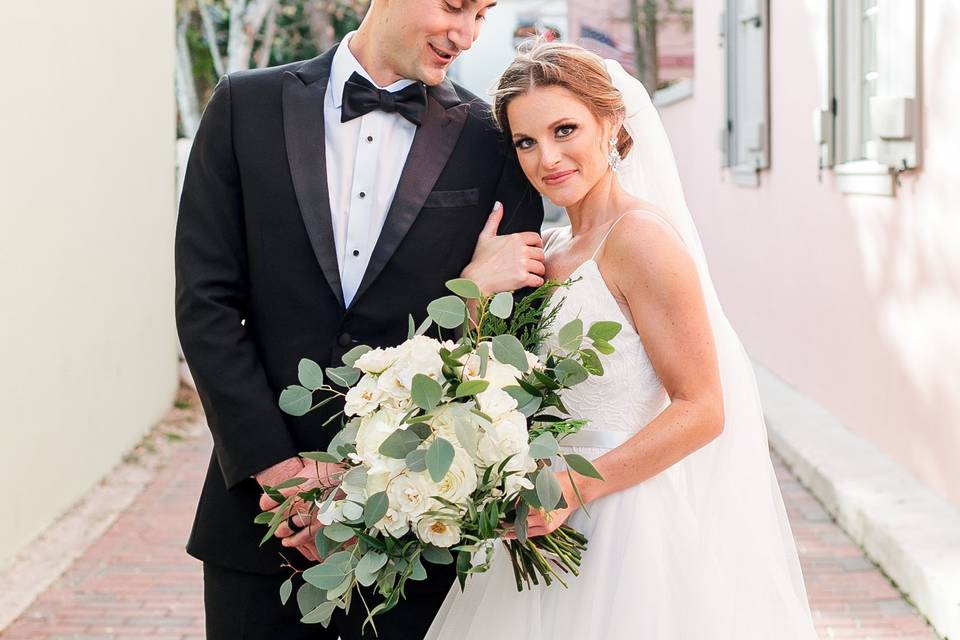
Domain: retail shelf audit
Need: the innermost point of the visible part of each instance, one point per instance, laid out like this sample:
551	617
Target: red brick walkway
137	582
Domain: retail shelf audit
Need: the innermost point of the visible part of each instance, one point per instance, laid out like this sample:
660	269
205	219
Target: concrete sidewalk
136	581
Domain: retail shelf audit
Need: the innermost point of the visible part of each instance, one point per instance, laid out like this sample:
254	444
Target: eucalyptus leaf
369	565
569	372
527	403
263	518
342	588
309	598
322	614
411	327
338	532
508	350
591	362
320	456
521	521
471	388
449	311
287	484
439	458
502	305
350	357
326	575
582	466
603	346
544	446
483	354
548	490
417	460
437	555
344	376
418	572
296	400
310	374
286	590
571	335
375	508
604	330
464	288
425	392
400	443
425	326
467	435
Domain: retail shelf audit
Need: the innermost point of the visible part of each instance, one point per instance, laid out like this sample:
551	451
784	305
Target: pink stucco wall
854	300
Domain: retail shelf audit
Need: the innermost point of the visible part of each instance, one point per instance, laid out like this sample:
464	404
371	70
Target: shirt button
356	252
363	194
344	339
369	138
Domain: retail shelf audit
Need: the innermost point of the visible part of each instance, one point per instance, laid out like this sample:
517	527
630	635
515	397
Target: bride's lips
441	56
558	177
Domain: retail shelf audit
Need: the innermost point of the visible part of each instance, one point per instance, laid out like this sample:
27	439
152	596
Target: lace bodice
629	394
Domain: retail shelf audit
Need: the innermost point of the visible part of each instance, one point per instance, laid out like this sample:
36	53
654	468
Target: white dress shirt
365	157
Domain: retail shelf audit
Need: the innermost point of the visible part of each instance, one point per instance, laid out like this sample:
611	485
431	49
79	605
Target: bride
688	534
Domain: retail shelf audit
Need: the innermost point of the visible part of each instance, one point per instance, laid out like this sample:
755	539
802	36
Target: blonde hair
559	64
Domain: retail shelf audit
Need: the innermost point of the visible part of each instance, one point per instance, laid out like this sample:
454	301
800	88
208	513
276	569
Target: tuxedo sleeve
212	298
522	205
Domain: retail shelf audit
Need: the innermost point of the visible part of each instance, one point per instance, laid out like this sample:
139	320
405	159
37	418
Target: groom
324	201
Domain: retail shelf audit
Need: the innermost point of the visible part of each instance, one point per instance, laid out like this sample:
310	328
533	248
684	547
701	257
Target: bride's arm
645	261
652	270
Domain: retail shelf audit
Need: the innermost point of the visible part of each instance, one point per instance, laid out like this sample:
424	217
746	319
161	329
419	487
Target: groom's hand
505	263
315	475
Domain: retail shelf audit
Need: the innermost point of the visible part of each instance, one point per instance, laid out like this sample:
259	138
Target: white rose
374	429
410	494
510	432
500	375
376	361
495	402
460	480
364	398
394	523
438	532
422	356
445	419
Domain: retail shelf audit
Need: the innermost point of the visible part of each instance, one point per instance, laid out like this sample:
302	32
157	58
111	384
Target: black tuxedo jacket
258	283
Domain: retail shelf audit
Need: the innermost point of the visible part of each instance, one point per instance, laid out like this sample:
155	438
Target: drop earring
613	158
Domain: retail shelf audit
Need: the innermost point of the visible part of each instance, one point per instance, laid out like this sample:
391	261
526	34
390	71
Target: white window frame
745	138
867	142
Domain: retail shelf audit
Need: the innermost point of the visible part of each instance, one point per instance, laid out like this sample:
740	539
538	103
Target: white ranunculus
374	429
460	480
410	493
438	532
390	384
364	398
394	523
377	360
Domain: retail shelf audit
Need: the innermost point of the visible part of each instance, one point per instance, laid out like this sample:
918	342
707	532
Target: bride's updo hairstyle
557	64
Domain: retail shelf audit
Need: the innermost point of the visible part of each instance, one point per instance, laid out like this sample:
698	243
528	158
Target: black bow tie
360	97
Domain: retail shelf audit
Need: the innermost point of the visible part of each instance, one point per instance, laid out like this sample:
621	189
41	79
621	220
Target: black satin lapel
306	154
432	145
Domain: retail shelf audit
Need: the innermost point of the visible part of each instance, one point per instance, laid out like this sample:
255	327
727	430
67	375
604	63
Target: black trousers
246	606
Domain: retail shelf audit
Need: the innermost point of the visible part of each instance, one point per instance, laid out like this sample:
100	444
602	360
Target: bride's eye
565	130
523	143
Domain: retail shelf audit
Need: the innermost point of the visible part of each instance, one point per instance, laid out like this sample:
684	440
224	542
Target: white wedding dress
701	551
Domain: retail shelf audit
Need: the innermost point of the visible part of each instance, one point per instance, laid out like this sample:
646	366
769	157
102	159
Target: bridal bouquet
446	447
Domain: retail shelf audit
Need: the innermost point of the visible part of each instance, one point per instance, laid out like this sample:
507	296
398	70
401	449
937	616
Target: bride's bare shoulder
645	248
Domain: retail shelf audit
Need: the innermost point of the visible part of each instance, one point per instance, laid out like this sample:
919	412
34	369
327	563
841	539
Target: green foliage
528	322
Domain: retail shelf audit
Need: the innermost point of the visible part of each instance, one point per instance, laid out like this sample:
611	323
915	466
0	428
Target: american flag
603	45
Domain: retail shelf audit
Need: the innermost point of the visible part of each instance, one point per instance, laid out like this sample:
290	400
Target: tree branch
210	33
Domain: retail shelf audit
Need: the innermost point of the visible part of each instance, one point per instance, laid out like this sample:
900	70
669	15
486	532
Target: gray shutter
895	110
748	102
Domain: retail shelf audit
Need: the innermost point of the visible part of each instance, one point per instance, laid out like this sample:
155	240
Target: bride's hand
540	523
505	263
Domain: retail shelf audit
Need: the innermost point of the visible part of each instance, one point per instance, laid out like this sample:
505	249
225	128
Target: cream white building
88	349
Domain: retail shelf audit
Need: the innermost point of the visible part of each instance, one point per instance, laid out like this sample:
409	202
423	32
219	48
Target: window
872	94
746	137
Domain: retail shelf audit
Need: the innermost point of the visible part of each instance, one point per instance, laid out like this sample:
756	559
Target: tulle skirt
647	574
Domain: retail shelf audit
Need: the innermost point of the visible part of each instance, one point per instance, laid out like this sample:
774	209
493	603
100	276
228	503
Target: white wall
854	300
88	351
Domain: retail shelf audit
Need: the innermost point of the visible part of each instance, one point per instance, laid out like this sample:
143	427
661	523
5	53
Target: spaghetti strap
607	234
654	214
